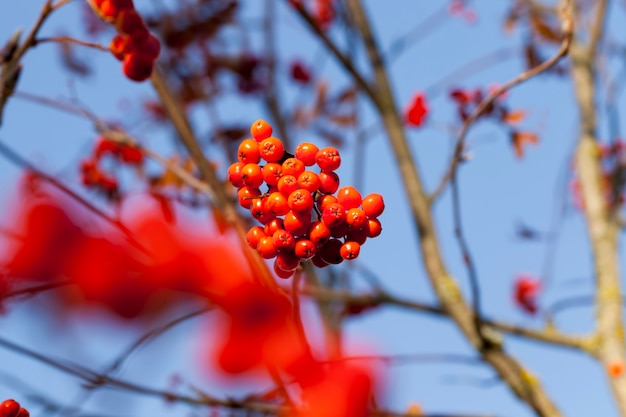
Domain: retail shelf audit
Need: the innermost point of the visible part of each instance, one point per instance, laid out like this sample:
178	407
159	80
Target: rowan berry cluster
305	214
11	408
133	44
92	174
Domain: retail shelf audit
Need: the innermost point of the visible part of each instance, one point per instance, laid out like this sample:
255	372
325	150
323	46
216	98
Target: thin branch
459	148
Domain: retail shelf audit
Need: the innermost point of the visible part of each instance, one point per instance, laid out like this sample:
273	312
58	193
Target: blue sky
497	190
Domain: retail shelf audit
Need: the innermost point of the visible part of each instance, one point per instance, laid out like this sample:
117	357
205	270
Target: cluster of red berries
290	232
11	408
134	44
94	177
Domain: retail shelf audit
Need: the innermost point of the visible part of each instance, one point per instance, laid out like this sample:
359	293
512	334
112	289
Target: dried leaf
513	117
519	139
71	62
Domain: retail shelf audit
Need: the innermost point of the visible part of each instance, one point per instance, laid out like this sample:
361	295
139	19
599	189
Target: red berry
234	174
373	205
334	215
356	219
272	149
329	182
306	152
252	175
324	201
358	236
260	211
273	225
319	233
297	222
254	235
23	412
277	204
373	228
260	130
129	22
309	181
287	261
266	248
131	155
349	197
301	201
293	166
283	240
304	248
300	73
318	261
330	252
246	194
272	173
350	250
248	151
117	46
328	159
137	66
287	184
281	273
9	408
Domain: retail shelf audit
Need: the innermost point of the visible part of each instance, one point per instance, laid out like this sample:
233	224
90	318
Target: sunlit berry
283	240
234	174
266	248
356	218
248	151
373	228
246	194
271	149
373	205
350	250
309	181
329	182
349	197
319	233
252	175
260	130
334	215
306	152
324	200
254	235
328	159
293	166
272	173
297	222
287	184
304	248
273	225
9	408
277	204
301	201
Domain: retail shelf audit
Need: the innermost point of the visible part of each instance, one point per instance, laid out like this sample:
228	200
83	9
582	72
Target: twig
459	148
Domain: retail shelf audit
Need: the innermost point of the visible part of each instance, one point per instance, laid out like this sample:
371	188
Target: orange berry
260	130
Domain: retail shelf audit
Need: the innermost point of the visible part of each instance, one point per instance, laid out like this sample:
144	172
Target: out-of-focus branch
221	200
549	335
200	399
602	226
519	380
